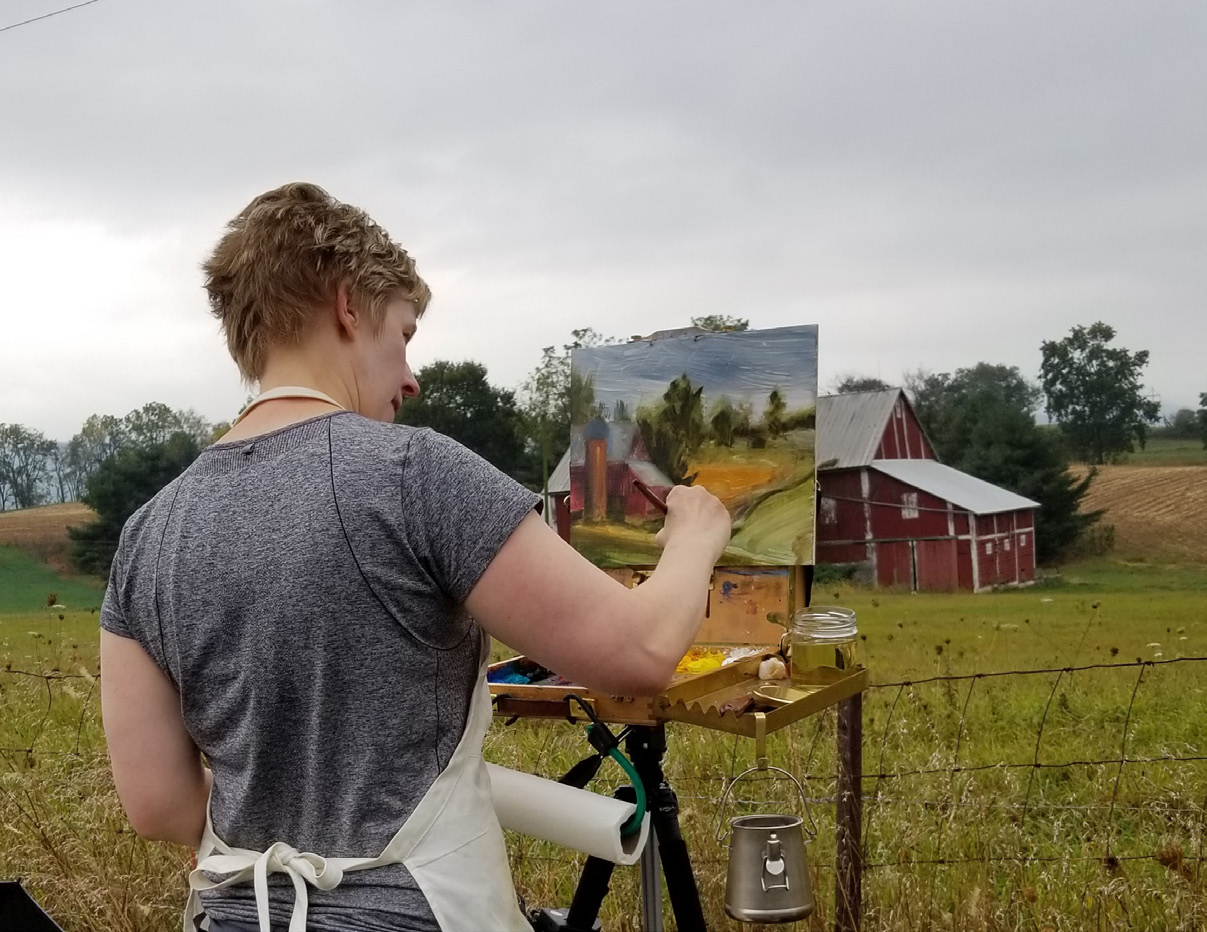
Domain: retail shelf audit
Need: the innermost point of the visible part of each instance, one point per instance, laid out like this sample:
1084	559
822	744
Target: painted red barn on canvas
604	459
885	500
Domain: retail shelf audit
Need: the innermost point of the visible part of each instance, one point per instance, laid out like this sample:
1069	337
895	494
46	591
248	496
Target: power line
66	9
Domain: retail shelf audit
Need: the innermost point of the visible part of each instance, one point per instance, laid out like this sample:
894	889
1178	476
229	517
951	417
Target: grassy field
30	584
1167	451
1088	846
992	803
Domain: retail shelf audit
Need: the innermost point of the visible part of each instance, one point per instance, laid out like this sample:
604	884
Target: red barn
598	471
886	501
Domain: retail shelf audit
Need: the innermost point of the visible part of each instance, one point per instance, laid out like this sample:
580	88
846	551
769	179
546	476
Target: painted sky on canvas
740	366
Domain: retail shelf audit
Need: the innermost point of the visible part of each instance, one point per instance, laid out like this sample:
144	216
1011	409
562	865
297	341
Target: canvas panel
734	412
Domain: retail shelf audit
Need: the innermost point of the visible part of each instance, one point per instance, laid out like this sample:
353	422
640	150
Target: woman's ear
347	317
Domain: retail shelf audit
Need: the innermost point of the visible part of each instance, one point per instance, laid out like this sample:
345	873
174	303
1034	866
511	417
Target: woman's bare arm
161	781
541	597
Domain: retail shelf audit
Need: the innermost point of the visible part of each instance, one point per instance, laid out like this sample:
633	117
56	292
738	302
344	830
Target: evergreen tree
121	485
982	422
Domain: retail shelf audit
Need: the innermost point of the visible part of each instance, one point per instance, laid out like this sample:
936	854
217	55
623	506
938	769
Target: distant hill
1159	512
42	532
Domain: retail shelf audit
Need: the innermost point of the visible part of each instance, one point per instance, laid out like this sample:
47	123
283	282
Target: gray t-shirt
304	592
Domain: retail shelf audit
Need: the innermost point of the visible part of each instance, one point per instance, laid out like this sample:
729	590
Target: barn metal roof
850	427
959	488
559	479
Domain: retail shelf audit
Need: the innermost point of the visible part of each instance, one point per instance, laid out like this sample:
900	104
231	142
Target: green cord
635	822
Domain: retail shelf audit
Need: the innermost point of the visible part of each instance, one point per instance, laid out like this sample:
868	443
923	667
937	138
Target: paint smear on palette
734	412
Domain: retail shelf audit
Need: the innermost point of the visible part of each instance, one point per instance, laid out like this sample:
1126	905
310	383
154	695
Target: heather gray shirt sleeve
112	617
459	511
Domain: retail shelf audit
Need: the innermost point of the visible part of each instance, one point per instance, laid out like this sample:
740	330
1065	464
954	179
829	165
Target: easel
665	854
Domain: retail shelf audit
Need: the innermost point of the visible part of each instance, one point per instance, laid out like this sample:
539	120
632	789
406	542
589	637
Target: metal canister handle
721	835
773	864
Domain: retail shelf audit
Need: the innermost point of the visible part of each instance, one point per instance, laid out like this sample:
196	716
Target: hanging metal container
767	879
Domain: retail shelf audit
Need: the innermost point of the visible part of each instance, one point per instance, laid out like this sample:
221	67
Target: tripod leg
589	895
646	746
593	885
651	886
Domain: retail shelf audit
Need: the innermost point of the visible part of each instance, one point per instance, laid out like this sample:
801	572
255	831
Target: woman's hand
695	515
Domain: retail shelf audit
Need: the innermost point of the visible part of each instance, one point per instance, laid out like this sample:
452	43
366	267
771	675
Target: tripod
665	854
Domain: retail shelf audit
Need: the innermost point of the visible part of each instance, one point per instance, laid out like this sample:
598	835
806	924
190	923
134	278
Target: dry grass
61	828
1159	512
43	531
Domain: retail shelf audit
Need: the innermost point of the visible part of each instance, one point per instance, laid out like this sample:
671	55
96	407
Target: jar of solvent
823	641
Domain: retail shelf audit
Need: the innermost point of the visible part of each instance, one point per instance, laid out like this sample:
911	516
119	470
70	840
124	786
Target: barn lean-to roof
851	426
951	485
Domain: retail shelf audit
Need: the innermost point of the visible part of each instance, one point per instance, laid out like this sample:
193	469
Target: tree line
981	420
35	470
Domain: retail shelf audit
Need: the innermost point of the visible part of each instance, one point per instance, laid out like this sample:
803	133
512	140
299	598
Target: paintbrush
651	496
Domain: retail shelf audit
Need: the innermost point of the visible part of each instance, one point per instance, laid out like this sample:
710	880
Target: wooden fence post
848	882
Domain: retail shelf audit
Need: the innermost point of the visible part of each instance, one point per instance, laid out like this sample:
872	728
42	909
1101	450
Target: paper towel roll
566	815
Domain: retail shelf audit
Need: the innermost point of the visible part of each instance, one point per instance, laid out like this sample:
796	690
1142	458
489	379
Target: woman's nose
410	386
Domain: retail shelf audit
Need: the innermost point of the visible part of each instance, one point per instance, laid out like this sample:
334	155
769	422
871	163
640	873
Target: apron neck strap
288	391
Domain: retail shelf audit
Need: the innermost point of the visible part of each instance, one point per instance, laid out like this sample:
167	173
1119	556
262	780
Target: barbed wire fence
1097	816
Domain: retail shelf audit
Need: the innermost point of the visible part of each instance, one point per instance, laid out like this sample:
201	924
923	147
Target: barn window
909	504
1022	540
988	546
1006	544
829	510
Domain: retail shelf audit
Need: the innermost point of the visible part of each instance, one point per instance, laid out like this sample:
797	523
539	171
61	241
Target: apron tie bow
302	867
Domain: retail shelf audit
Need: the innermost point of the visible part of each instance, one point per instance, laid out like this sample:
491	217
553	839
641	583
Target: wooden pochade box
747	607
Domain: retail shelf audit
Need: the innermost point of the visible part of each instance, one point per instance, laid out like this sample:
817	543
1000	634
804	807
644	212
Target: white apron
452	845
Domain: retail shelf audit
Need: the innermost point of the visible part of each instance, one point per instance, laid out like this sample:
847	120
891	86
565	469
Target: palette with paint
743	626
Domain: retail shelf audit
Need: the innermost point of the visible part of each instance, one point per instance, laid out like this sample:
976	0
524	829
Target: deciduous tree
1184	425
721	323
1094	392
24	465
457	400
552	396
848	383
100	437
982	422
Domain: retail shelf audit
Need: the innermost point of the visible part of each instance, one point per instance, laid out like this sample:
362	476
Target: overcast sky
932	183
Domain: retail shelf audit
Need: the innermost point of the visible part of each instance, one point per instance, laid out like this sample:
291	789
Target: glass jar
823	640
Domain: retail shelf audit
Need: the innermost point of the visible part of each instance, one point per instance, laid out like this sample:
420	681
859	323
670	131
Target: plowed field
1159	512
43	531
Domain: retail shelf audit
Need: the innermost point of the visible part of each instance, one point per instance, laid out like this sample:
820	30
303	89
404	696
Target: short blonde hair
286	253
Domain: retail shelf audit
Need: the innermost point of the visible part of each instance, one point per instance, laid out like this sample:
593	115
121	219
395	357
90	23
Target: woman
305	608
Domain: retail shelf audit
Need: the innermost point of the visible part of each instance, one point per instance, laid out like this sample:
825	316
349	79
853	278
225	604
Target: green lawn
1167	451
26	582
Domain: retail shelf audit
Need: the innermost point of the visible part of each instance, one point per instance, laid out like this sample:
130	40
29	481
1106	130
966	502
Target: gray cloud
934	184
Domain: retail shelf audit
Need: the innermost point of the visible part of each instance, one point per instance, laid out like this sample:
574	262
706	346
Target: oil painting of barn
607	460
887	503
735	412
